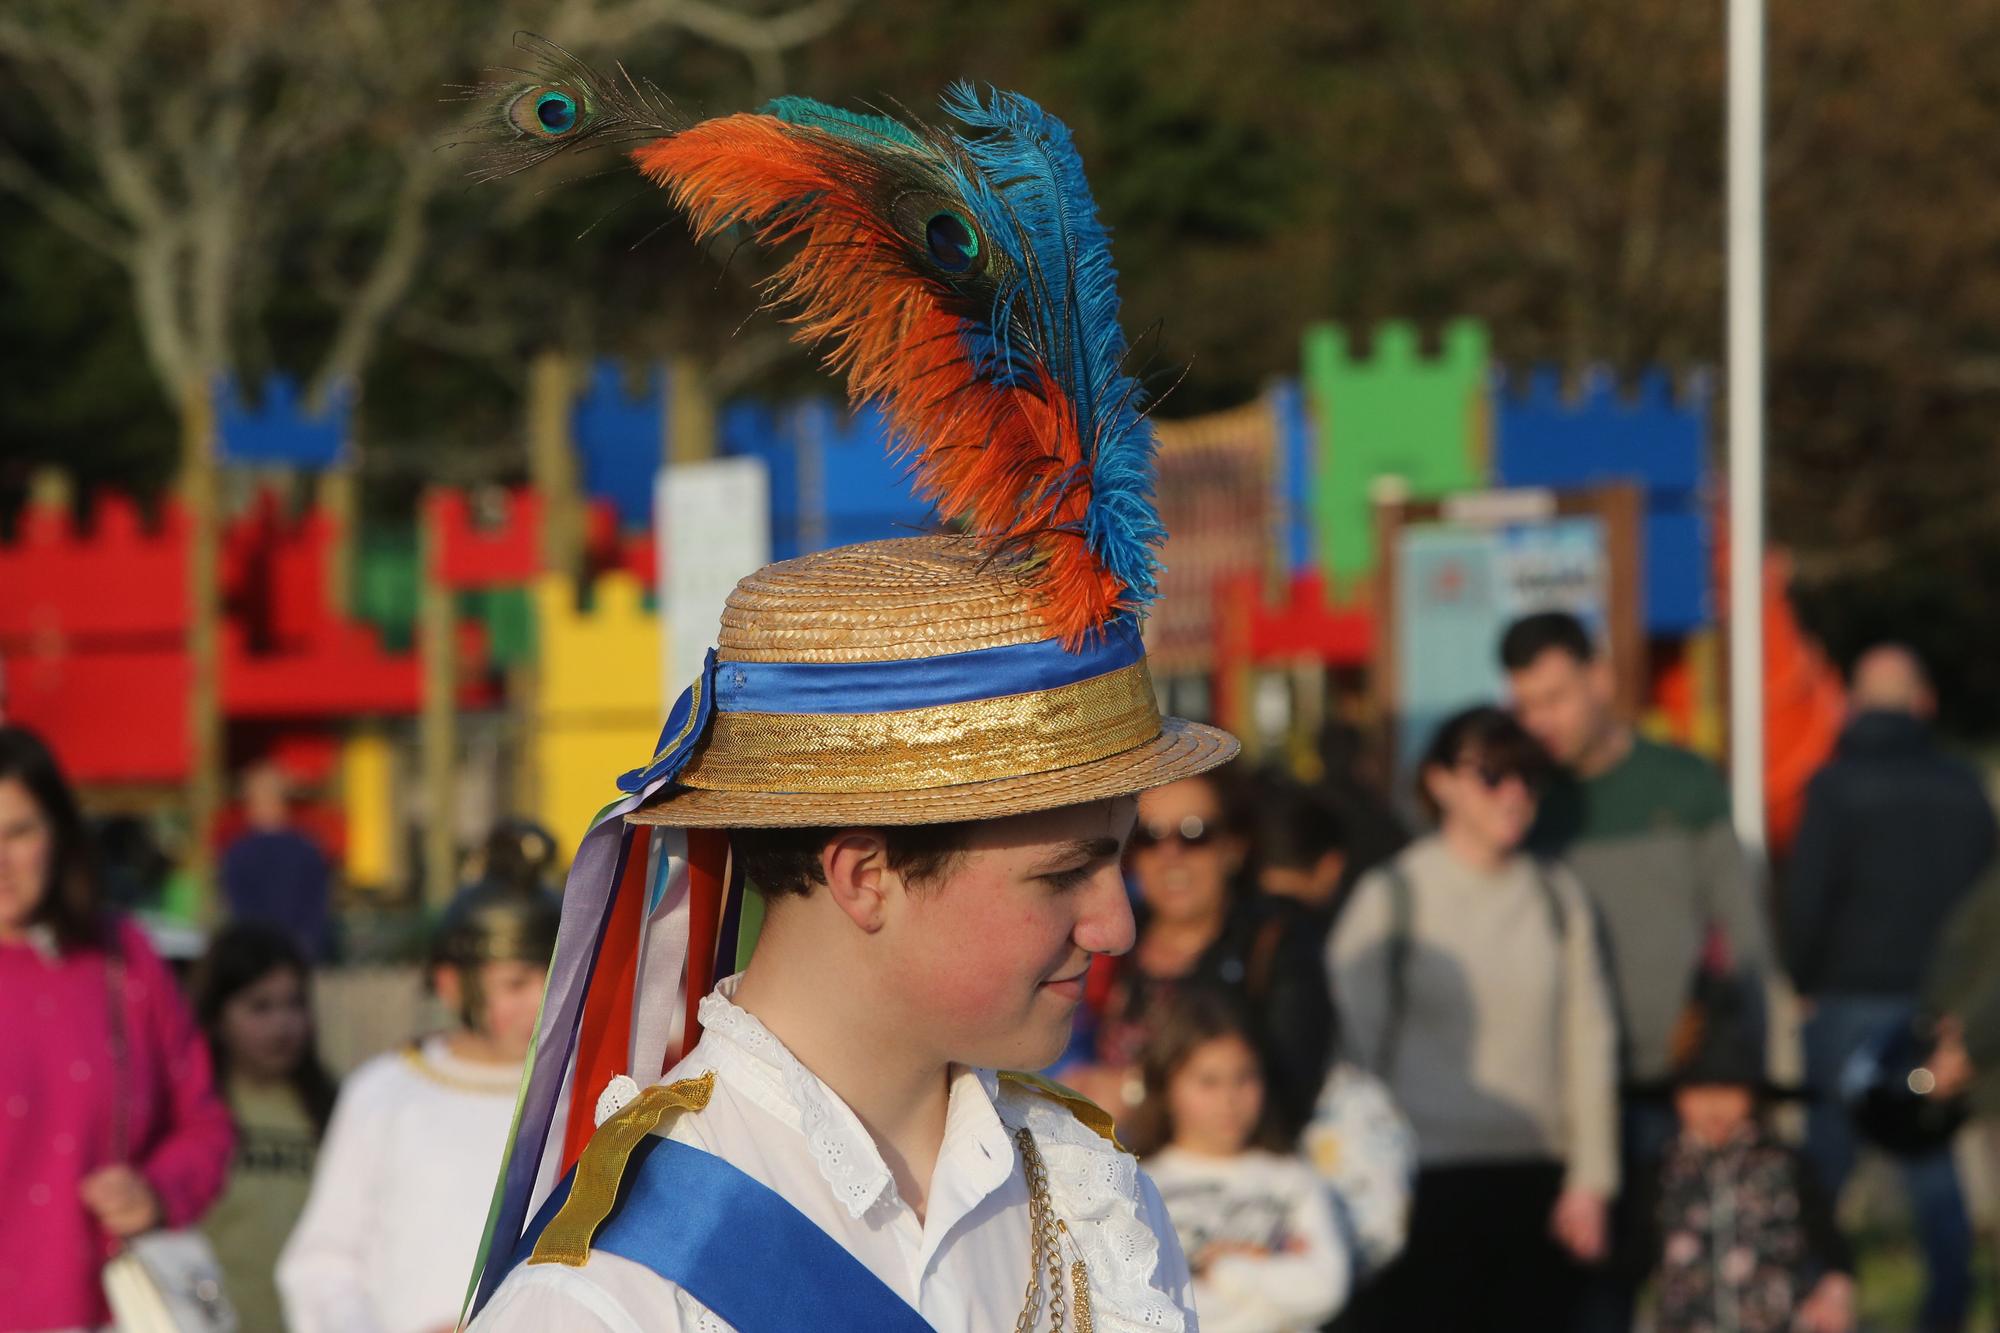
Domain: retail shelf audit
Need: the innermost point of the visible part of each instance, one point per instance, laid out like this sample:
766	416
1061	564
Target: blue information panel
1457	590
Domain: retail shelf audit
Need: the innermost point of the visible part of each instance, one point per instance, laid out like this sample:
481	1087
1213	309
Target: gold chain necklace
1046	1233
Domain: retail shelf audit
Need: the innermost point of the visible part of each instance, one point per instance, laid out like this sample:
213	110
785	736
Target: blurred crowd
1491	1053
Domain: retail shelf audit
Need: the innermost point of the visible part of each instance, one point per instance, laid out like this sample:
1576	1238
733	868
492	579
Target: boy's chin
1032	1048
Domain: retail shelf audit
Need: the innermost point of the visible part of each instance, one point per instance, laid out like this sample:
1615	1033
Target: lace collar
750	1057
1094	1186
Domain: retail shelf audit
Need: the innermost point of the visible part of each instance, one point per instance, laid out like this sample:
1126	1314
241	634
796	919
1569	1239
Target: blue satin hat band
846	693
922	682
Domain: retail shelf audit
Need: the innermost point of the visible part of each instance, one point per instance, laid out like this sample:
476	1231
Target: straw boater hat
929	626
960	279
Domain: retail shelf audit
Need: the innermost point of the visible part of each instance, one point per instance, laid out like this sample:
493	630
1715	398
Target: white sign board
711	526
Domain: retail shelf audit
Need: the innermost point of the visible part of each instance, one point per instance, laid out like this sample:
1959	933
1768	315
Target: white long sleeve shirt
391	1229
964	1266
1275	1203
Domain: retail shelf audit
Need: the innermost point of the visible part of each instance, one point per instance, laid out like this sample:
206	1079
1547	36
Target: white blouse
399	1195
964	1266
1274	1203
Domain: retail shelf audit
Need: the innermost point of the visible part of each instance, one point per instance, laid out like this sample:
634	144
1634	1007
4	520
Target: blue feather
868	130
1030	196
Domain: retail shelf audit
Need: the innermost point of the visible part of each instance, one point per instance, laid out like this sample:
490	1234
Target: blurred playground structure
1341	547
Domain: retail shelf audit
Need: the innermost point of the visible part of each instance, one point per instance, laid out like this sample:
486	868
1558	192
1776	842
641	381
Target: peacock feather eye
556	112
953	243
546	113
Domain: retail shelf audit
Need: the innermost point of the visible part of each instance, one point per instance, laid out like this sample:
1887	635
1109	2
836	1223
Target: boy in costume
921	753
388	1226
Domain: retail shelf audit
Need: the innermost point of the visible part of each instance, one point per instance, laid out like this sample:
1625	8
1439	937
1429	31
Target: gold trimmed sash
594	1191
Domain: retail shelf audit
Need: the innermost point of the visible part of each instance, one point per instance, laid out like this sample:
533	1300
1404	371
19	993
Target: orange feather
1006	458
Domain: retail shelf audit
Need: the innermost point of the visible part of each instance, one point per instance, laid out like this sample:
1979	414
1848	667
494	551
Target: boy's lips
1070	986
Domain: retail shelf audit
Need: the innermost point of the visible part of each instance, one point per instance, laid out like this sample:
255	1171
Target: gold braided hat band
920	748
905	682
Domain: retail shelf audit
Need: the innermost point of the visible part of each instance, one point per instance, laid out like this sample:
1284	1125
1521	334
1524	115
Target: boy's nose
1106	925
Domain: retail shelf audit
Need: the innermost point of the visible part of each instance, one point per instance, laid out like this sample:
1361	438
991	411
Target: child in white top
1254	1219
391	1228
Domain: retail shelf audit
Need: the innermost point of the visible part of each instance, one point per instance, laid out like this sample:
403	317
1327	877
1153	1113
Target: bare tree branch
776	33
204	165
389	277
62	208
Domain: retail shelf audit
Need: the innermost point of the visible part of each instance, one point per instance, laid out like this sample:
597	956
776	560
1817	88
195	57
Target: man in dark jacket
1895	834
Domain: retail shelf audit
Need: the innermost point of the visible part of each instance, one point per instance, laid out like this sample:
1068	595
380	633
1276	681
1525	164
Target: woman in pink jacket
109	1120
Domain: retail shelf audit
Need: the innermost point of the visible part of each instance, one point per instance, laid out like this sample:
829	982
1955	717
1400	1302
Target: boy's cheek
969	971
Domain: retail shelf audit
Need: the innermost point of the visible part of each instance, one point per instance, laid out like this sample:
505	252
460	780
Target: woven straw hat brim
1181	750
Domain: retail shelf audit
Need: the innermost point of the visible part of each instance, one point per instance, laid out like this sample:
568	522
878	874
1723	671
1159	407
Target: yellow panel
579	769
605	660
367	791
599	700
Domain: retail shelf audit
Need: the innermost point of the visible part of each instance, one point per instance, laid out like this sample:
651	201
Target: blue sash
737	1246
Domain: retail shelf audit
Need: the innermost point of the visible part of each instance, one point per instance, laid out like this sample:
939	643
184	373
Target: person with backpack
1469	978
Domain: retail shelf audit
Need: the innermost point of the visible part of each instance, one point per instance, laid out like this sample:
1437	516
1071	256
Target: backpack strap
1263	957
1545	881
601	1170
1402	926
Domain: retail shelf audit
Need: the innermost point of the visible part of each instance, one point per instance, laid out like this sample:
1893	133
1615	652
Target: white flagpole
1746	418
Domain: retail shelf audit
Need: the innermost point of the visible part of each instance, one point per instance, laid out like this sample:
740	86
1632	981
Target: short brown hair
1491	735
786	861
1544	632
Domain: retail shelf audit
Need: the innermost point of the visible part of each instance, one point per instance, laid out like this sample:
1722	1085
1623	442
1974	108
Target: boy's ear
855	863
449	986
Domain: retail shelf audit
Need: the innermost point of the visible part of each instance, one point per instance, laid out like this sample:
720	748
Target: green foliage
77	390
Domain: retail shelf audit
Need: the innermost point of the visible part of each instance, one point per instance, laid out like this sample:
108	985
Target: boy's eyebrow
1084	849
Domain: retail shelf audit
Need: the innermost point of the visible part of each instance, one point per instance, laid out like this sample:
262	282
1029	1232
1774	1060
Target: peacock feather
957	276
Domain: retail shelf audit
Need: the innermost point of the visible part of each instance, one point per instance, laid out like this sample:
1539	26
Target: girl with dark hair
1255	1222
109	1120
1471	983
252	997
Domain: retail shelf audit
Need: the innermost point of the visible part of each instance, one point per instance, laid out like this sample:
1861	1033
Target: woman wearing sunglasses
1470	980
1201	926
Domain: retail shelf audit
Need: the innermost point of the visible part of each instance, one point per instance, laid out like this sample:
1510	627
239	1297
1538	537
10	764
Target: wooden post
552	462
206	756
437	730
336	499
552	472
524	684
1234	702
1308	714
690	423
50	488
